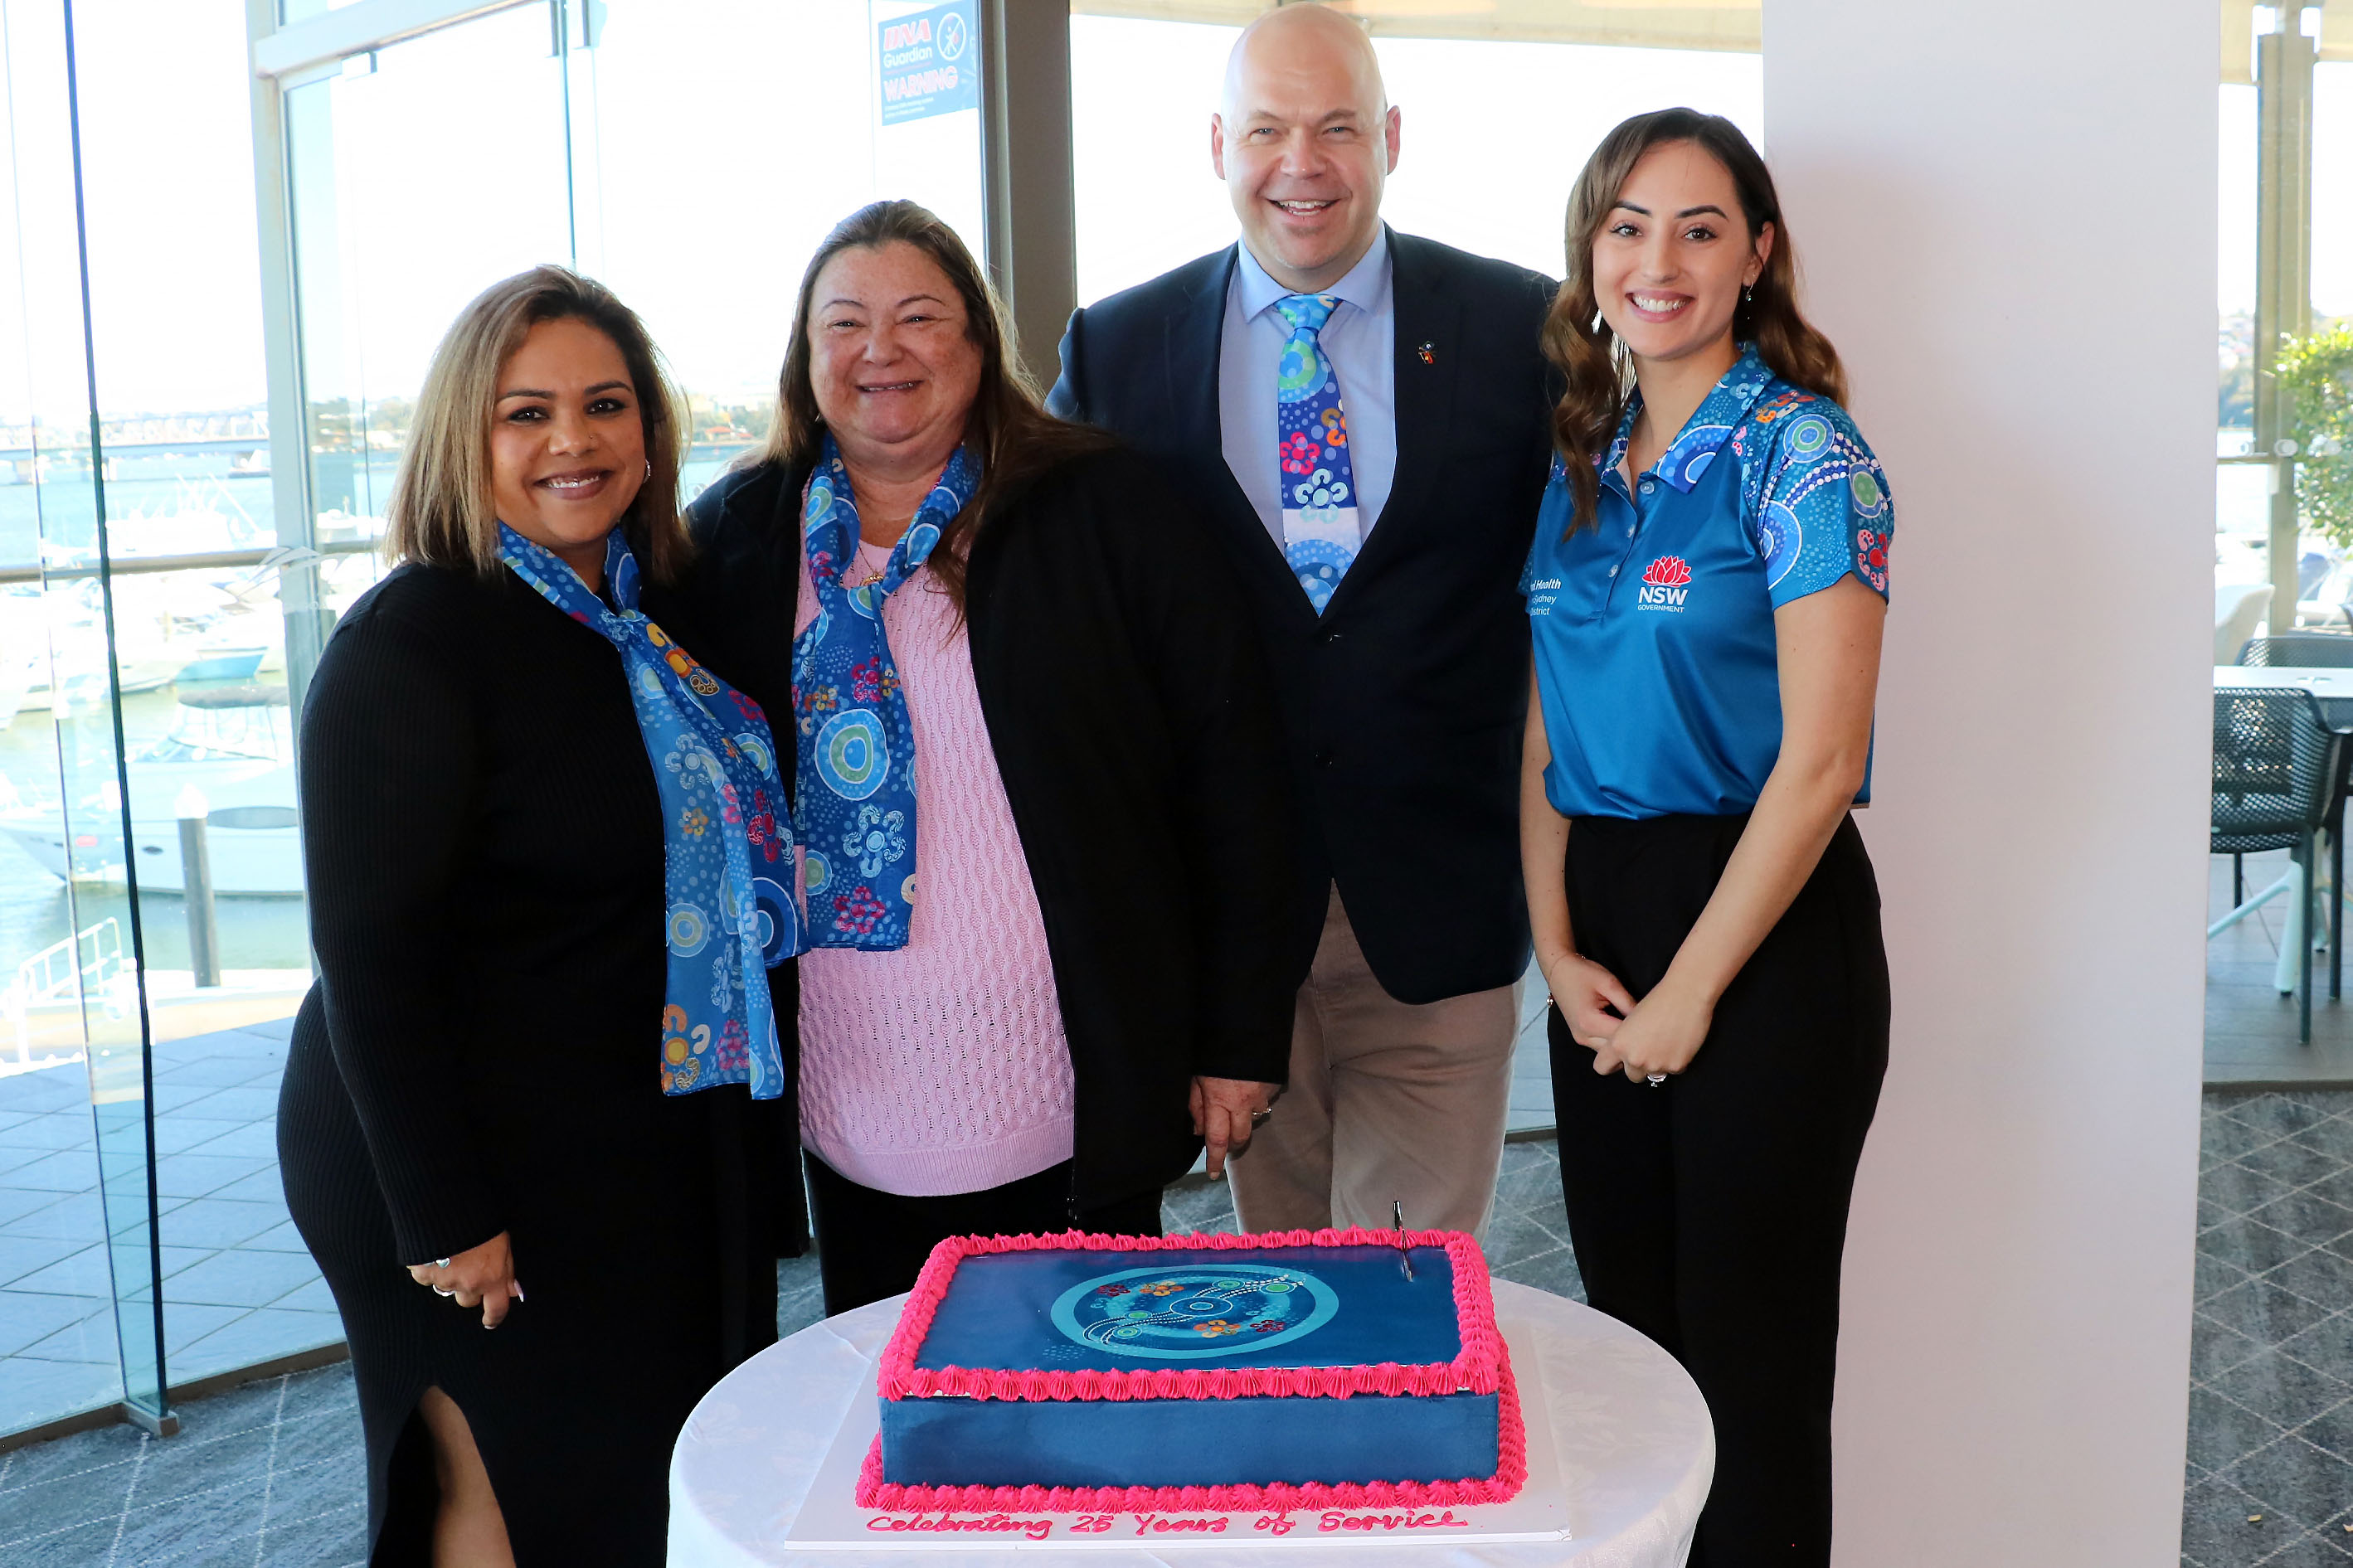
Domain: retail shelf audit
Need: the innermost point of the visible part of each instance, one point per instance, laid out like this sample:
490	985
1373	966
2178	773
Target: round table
1630	1434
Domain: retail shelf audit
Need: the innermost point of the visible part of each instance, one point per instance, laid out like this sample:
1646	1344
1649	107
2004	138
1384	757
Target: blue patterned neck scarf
729	916
855	802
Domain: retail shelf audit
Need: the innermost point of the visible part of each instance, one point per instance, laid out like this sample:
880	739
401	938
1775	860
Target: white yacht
229	755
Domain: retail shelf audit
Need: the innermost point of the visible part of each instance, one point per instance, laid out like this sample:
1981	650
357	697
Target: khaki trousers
1388	1101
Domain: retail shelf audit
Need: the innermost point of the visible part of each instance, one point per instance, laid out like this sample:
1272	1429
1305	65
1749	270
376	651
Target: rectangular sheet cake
1290	1370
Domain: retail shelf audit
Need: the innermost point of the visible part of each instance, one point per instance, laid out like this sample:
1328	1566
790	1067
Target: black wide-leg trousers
1710	1211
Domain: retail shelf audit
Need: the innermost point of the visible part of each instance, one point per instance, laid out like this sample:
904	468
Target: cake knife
1405	1256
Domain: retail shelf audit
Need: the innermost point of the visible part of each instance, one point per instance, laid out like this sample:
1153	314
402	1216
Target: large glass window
79	1324
459	133
2283	488
168	588
1493	133
203	663
2242	505
2315	246
706	179
163	591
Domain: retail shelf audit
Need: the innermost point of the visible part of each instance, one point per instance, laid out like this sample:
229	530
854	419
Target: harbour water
176	505
157	506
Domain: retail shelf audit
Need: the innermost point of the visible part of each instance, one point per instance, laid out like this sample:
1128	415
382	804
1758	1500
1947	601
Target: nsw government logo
1666	583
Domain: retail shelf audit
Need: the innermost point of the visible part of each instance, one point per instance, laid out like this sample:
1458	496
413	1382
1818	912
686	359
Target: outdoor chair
2312	650
2322	593
2237	611
2332	650
2312	569
2274	768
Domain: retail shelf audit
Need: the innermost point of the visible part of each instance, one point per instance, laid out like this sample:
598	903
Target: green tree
2316	373
2236	362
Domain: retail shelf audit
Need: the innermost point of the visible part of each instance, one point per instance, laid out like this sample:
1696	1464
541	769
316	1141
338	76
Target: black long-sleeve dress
484	842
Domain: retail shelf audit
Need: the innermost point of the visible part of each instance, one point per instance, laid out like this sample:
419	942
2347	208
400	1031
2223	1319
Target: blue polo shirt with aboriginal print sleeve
1653	630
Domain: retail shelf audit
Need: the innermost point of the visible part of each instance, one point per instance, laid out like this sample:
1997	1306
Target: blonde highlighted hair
442	512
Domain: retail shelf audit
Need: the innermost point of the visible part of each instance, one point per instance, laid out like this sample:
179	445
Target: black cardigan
1133	726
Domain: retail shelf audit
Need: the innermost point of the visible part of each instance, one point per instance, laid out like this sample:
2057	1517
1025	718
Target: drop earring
650	468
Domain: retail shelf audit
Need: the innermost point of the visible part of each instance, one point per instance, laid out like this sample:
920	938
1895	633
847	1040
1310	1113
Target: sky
705	175
1492	137
2332	188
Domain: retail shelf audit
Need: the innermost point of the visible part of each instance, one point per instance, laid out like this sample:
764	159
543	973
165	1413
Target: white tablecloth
1636	1453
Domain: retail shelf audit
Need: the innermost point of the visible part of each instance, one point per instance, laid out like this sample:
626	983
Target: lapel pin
1429	353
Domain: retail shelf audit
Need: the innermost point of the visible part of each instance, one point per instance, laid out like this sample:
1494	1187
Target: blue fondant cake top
1297	1306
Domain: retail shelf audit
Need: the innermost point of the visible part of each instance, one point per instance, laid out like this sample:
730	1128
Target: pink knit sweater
941	1066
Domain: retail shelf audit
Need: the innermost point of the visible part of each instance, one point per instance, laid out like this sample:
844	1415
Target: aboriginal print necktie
856	806
1319	477
727	847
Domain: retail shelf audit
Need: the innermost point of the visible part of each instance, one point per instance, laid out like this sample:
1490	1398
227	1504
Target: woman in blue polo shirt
1705	593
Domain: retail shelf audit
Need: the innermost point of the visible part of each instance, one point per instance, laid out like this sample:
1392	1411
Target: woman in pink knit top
1039	814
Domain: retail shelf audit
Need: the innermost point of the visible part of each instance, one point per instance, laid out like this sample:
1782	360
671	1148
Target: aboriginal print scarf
726	837
854	809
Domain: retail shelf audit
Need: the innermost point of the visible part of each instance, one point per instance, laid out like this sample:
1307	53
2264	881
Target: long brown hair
1010	433
441	511
1596	367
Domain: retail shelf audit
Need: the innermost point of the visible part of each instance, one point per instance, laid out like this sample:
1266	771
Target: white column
2006	213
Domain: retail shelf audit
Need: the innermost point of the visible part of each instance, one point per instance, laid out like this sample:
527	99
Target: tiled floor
1531	1104
271	1470
2251	1028
2271	1403
238	1287
271	1473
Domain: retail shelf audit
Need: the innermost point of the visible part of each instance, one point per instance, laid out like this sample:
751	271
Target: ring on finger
439	1291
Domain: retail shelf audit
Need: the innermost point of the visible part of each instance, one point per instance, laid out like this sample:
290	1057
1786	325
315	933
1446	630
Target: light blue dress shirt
1360	340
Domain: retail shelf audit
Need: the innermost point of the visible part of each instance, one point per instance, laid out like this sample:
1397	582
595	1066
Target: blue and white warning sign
929	62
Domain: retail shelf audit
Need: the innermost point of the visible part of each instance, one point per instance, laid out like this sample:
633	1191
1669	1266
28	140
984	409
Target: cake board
831	1520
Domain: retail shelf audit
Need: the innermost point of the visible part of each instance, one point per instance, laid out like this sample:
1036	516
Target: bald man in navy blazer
1383	572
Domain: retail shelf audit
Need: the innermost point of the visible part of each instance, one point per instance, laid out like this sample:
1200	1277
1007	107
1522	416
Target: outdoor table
1621	1464
2334	687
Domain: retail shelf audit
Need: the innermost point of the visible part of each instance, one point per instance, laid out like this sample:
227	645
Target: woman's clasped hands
481	1277
1650	1040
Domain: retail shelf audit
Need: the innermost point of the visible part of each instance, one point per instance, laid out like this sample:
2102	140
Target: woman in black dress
514	788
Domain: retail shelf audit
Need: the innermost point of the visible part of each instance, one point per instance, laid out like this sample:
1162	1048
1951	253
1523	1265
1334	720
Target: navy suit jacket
1403	703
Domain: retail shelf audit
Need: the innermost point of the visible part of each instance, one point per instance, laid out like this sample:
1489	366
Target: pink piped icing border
1478	1369
1278	1497
1483	1367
